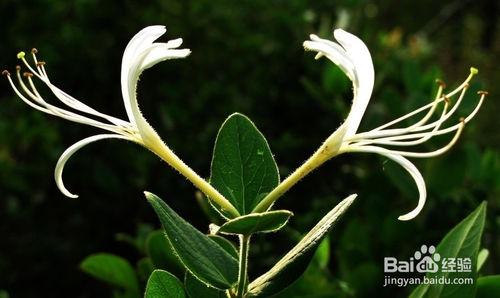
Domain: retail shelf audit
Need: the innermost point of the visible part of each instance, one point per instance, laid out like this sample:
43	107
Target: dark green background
247	57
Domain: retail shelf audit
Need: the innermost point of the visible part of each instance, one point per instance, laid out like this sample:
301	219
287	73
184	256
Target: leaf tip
351	198
149	196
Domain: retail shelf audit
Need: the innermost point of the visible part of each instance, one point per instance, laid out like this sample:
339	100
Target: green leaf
461	242
296	261
488	286
265	222
226	245
197	289
162	254
481	258
112	269
164	284
243	168
322	255
201	255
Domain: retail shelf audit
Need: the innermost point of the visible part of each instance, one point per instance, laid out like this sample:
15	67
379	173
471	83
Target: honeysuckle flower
354	59
141	53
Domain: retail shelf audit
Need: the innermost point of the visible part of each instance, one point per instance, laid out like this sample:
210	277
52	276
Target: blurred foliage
247	57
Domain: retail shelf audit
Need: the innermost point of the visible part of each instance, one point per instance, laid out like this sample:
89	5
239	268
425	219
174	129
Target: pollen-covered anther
34	51
21	55
27	74
5	72
482	92
18	67
441	83
40	63
462	120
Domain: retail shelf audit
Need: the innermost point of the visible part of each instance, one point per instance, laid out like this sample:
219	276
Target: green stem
165	153
317	159
242	274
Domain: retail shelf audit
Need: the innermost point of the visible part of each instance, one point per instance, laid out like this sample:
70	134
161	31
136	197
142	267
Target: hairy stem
242	274
317	159
166	154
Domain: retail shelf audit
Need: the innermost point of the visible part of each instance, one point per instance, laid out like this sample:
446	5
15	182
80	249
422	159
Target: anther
6	73
21	55
466	85
484	93
27	74
34	51
441	83
18	68
40	63
473	70
447	99
462	119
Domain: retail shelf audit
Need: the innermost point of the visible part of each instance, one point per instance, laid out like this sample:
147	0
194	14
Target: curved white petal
72	150
141	53
333	52
410	168
354	59
364	76
140	42
161	52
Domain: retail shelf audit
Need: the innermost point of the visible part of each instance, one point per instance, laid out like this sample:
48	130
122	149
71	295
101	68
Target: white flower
142	52
353	57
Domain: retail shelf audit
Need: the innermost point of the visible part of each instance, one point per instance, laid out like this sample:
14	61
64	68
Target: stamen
77	105
422	121
27	101
441	83
385	151
40	65
40	76
482	92
26	89
442	131
21	55
34	51
18	68
396	140
398	133
5	72
40	104
27	74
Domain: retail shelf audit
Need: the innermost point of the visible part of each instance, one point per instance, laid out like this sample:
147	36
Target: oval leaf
243	167
164	284
461	242
112	269
252	223
200	255
295	262
197	289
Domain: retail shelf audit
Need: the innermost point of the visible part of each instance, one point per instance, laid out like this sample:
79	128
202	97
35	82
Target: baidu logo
428	261
424	260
